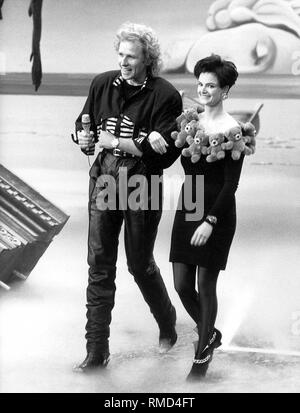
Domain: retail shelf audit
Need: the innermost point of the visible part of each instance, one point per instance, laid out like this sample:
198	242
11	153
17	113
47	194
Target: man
132	113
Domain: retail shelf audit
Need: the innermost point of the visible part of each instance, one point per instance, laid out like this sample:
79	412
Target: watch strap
212	220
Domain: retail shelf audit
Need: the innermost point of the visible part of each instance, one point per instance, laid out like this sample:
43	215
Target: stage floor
42	319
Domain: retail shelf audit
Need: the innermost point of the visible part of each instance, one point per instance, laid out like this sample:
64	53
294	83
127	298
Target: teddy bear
192	127
235	142
189	114
187	129
215	150
197	146
249	134
180	137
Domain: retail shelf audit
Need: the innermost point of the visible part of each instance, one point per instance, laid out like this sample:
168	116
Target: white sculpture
260	36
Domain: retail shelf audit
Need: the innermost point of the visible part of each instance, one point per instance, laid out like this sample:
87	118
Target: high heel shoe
200	366
215	340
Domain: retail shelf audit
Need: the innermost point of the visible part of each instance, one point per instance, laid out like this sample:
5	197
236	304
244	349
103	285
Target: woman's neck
214	112
214	119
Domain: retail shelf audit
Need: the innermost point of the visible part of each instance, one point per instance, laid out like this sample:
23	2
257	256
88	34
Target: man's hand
157	142
201	235
86	141
105	139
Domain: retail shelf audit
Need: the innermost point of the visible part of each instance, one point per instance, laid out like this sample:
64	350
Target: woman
200	248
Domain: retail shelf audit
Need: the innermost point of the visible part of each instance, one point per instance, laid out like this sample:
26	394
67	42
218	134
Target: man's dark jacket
153	108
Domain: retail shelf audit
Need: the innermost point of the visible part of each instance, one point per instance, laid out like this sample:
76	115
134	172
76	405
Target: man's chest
135	110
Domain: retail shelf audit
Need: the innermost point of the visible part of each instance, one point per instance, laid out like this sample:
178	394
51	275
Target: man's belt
120	154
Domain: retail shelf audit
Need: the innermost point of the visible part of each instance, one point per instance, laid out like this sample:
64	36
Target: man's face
132	62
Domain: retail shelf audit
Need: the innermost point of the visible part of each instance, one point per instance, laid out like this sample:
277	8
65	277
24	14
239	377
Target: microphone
86	123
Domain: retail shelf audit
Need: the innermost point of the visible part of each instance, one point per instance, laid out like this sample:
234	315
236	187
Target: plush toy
180	137
235	142
215	150
249	134
187	129
197	146
192	127
189	114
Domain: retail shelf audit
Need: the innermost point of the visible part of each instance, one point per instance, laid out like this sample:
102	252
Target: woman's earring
224	96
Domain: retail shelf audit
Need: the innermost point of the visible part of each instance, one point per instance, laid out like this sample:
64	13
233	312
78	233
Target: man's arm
127	145
86	143
164	122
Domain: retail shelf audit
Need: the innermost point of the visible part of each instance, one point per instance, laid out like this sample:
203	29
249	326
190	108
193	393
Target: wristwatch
211	219
115	143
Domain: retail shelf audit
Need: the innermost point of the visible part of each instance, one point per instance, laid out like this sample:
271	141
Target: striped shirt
153	107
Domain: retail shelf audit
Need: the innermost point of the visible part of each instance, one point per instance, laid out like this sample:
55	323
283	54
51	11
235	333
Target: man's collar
118	80
148	82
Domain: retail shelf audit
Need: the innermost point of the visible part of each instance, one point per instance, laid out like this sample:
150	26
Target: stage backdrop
77	36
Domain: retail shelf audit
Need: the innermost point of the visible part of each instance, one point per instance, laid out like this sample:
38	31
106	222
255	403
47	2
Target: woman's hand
201	235
157	142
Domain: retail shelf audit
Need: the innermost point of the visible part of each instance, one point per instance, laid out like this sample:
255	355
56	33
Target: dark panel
28	223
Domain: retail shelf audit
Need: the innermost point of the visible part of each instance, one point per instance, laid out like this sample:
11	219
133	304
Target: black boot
167	340
168	335
92	361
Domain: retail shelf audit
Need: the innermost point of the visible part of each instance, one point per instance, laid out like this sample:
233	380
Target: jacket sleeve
164	121
88	108
231	180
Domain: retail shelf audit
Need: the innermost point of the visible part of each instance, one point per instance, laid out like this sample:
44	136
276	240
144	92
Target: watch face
212	219
115	143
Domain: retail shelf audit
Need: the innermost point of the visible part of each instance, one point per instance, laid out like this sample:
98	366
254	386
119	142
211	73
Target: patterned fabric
153	107
126	129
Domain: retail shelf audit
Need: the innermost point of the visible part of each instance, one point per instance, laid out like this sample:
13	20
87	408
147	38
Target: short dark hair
225	70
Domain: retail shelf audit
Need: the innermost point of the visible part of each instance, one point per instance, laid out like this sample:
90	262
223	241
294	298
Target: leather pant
140	230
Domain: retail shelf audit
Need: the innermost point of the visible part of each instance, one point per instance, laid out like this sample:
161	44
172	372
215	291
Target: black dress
220	183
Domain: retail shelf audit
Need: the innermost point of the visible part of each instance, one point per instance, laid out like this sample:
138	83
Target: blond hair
147	38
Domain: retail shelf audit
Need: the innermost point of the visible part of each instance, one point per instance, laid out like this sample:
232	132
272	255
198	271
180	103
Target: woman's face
209	91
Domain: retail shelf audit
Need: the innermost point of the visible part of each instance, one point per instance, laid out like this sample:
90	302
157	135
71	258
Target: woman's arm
224	200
